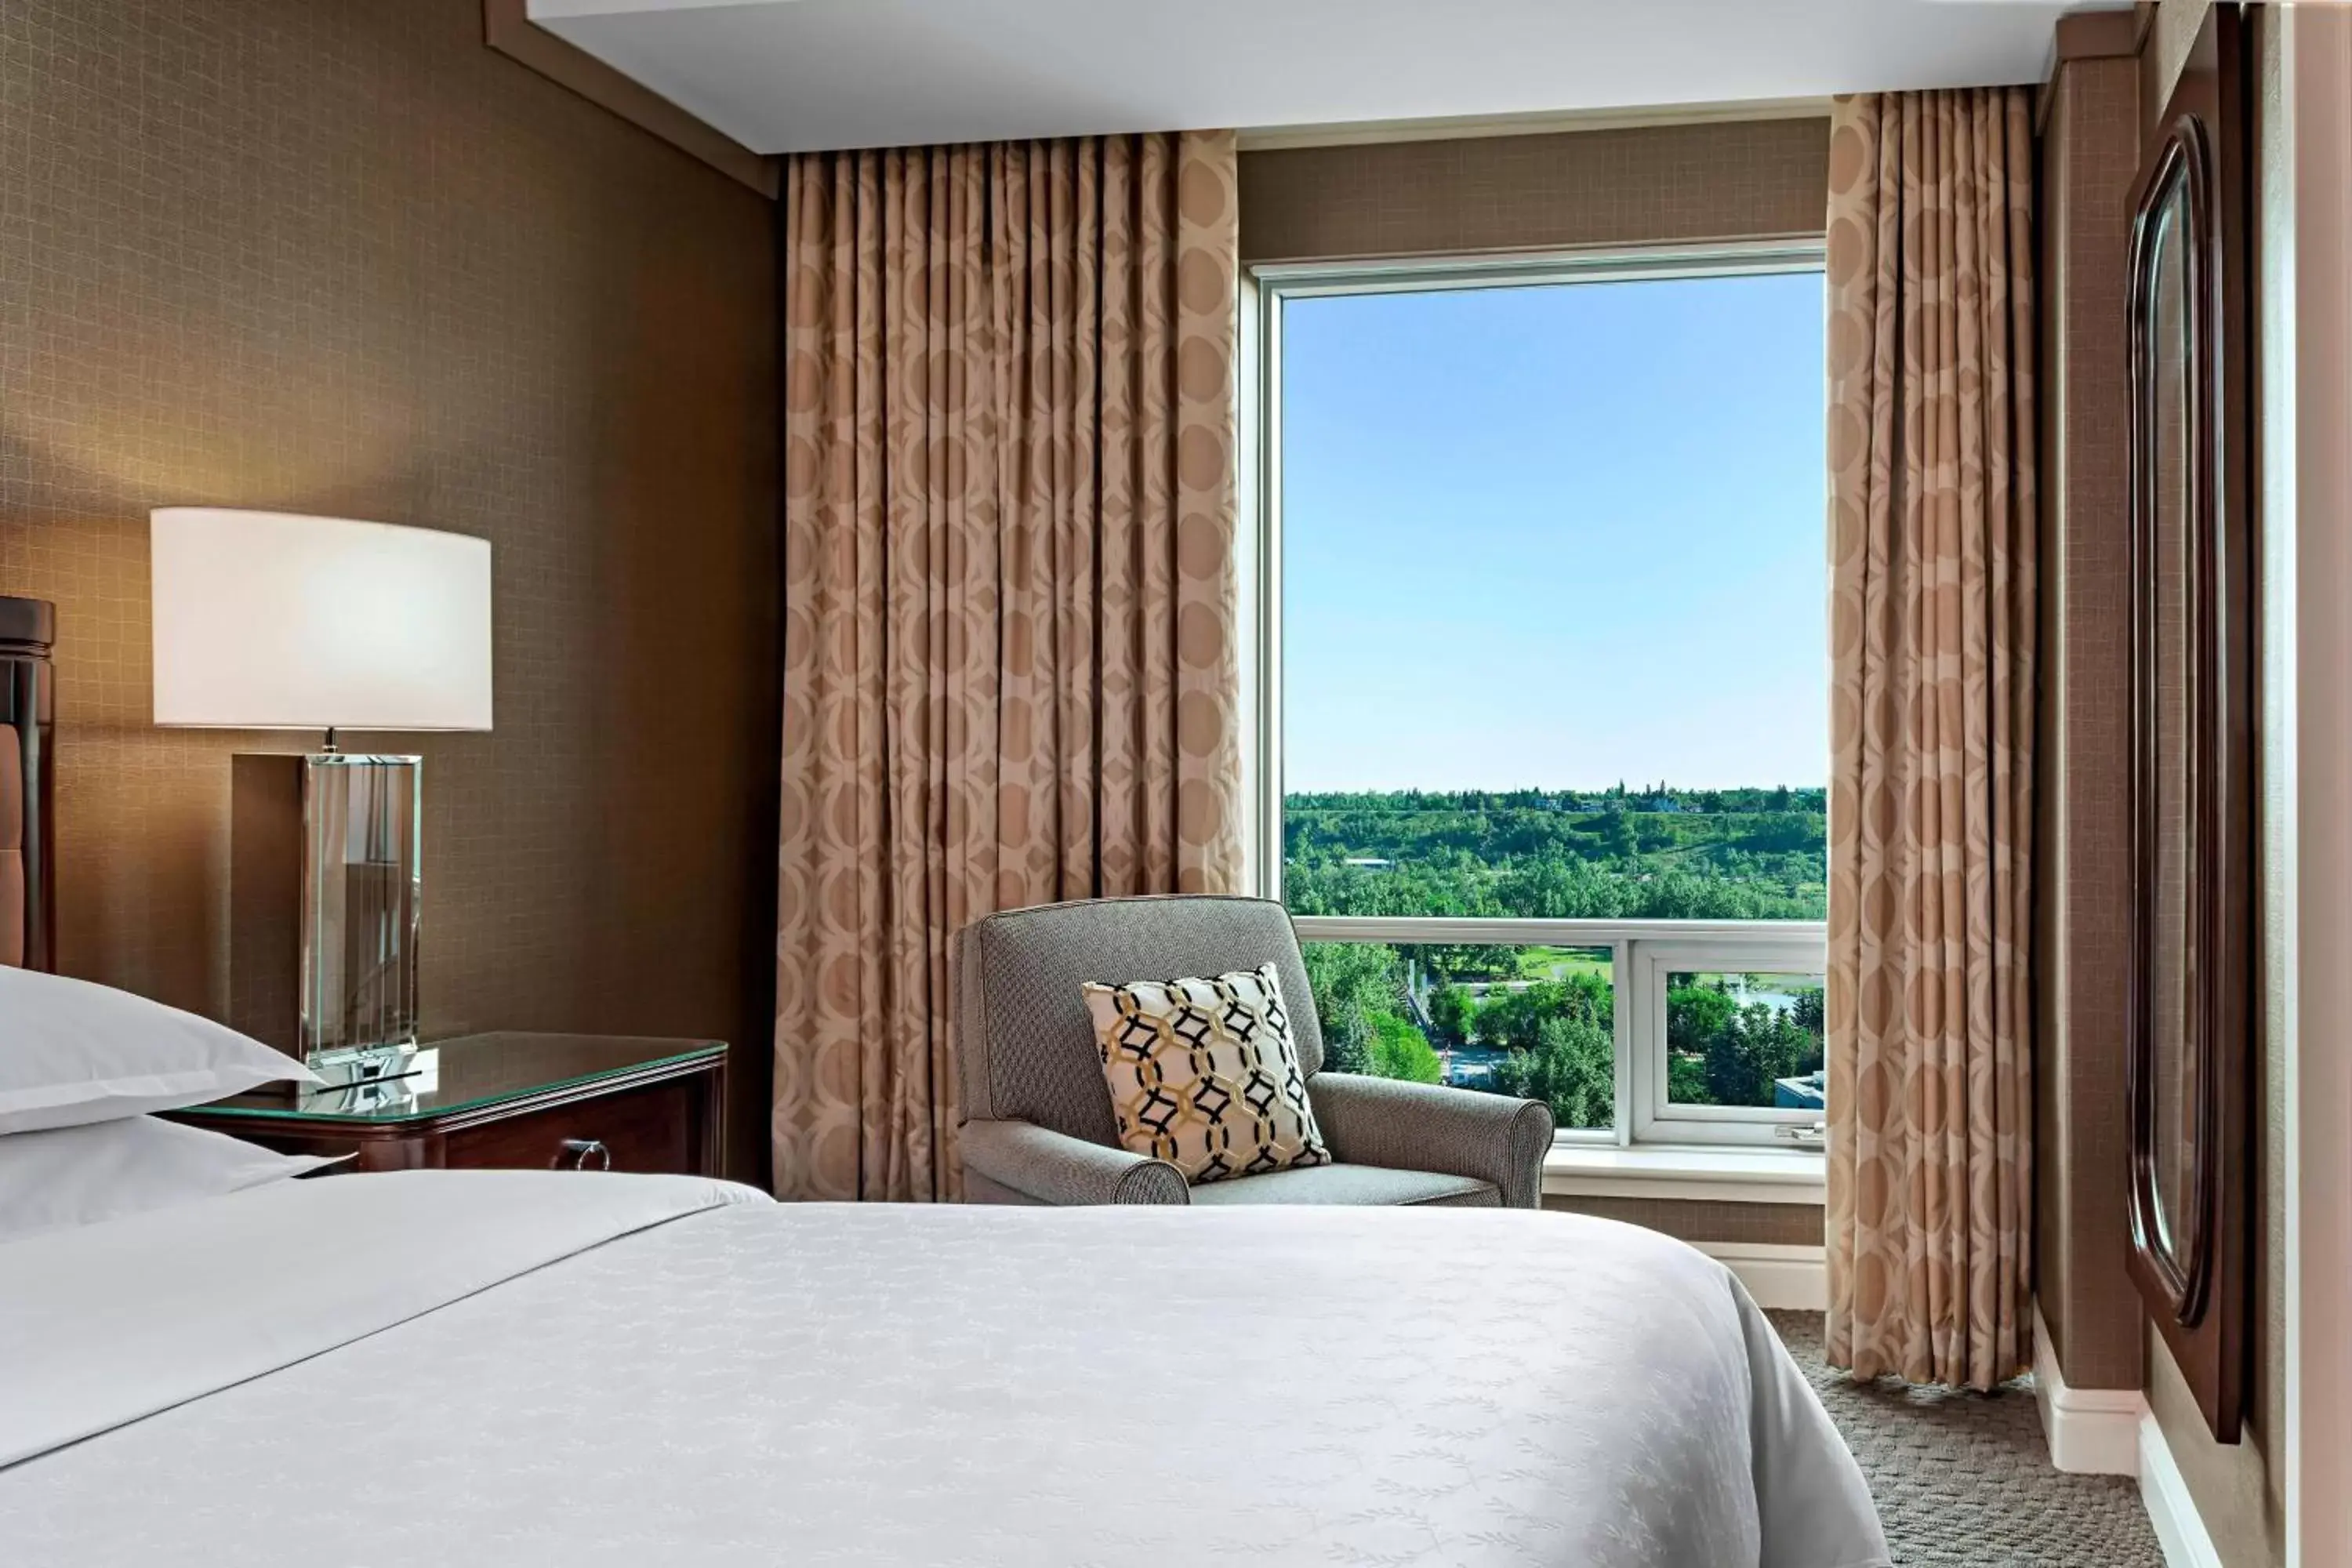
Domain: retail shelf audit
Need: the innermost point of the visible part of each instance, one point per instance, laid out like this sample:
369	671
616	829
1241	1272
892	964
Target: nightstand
508	1101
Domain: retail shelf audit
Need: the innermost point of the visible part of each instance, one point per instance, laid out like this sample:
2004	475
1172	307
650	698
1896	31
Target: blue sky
1555	536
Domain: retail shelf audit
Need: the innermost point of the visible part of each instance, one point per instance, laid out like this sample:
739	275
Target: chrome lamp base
355	1067
326	868
363	832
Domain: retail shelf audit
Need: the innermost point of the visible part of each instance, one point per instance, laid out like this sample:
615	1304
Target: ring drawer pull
583	1150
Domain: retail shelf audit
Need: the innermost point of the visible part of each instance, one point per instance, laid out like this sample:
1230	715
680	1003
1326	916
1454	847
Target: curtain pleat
1931	444
1011	627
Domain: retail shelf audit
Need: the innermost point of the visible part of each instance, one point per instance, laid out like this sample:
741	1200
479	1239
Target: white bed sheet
500	1371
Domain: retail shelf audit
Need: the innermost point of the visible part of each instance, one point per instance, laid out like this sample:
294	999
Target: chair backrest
1024	1046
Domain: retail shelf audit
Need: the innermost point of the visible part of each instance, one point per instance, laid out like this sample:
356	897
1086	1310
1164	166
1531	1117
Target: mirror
2190	1026
2171	958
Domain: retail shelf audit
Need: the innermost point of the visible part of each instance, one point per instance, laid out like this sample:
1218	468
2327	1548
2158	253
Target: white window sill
1684	1173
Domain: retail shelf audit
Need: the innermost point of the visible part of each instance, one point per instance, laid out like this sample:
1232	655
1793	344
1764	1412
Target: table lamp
272	621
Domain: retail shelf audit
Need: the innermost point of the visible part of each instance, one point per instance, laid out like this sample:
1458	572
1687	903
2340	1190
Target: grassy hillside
1652	853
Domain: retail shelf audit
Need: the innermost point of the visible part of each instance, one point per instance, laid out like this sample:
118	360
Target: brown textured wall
2090	151
335	255
1721	180
1781	1224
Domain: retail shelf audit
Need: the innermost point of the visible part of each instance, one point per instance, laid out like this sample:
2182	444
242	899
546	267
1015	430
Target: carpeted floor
1965	1478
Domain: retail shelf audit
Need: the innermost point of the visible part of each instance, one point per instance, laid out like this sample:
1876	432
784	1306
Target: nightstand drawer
640	1130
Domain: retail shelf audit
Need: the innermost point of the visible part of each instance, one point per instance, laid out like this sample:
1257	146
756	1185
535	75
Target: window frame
1656	1119
1266	287
1641	952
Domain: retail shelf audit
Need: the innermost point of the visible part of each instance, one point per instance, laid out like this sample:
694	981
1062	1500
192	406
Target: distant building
1807	1091
1368	863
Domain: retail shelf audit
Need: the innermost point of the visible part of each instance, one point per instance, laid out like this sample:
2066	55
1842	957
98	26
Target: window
1526	1019
1737	1027
1542	673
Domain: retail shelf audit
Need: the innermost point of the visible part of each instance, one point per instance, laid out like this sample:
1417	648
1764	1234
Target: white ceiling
784	76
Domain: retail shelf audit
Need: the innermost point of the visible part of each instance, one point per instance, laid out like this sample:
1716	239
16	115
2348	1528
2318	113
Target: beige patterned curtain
1011	663
1931	424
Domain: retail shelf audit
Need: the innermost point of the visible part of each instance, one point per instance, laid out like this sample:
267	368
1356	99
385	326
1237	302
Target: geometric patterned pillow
1204	1073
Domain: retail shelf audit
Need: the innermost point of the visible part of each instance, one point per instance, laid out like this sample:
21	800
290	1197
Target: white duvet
505	1370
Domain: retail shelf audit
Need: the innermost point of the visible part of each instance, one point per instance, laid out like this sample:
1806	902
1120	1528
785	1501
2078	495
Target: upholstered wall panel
1713	180
1779	1225
2083	932
335	255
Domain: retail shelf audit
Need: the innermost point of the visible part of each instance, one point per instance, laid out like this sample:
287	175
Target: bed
504	1369
486	1369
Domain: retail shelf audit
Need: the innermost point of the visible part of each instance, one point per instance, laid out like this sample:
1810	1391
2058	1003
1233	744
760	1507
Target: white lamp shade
266	620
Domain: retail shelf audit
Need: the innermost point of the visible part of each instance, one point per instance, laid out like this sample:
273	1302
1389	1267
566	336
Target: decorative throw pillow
1204	1073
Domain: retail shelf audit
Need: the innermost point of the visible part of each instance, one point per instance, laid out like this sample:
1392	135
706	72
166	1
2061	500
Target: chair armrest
1054	1168
1429	1127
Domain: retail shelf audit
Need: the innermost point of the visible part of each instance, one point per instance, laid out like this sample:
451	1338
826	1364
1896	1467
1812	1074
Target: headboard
29	882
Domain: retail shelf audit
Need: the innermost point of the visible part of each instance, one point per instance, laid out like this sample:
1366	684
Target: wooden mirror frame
28	874
2197	1294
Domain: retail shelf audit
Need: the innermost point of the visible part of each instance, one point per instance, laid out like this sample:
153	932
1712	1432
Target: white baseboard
2091	1431
2163	1491
2109	1432
1776	1274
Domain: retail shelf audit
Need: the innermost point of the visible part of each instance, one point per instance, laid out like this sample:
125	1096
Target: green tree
1808	1012
1512	1017
1695	1016
1617	834
1758	1044
1572	1069
1355	984
1400	1051
1452	1014
1687	1081
1458	960
1725	853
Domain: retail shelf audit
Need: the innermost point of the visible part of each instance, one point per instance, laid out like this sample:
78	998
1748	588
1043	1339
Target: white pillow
72	1052
75	1176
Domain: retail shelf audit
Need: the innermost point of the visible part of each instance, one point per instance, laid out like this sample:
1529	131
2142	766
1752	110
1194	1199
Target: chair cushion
1203	1074
1353	1185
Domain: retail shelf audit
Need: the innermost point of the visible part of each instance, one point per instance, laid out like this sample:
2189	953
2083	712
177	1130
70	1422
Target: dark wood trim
705	1129
506	28
29	688
2198	1288
2096	34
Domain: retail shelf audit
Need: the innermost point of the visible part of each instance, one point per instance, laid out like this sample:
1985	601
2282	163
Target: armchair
1037	1125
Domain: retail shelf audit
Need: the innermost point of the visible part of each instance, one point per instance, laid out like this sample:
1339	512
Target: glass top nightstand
507	1101
475	1070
